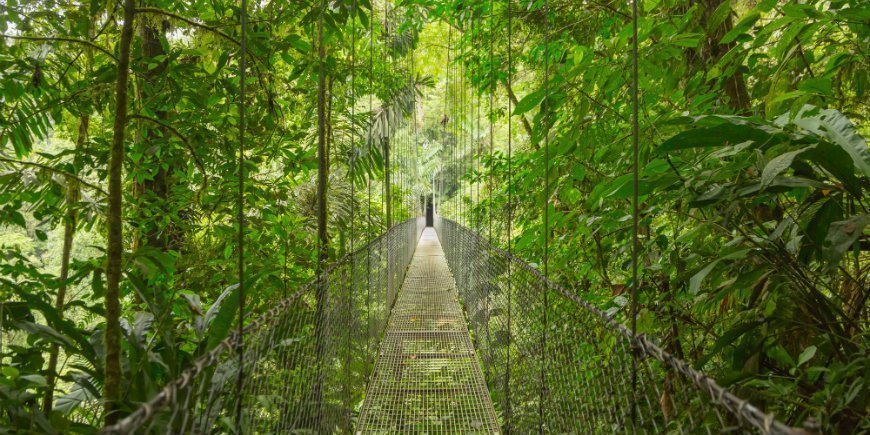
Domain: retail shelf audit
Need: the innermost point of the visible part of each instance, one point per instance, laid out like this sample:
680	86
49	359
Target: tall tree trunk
154	192
735	85
322	152
115	243
69	229
322	236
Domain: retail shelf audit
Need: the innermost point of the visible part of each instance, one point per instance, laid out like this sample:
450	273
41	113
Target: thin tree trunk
322	154
115	246
322	236
69	229
735	85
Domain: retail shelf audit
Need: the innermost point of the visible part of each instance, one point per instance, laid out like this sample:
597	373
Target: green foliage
753	176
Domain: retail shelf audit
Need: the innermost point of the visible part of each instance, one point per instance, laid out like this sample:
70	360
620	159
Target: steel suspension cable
451	77
492	83
463	136
446	118
509	211
466	130
457	107
479	165
352	130
415	140
385	141
472	211
491	186
447	101
353	150
241	213
546	132
370	145
452	95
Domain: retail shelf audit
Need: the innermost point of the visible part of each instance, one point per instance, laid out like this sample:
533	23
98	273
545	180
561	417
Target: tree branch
215	30
55	170
513	97
63	39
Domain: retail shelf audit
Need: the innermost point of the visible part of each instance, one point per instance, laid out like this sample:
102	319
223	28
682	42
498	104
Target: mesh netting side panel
555	363
304	371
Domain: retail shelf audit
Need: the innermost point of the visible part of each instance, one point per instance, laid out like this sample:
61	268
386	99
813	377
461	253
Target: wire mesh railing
300	374
555	363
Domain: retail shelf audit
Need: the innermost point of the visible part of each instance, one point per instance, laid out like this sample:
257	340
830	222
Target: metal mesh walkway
427	378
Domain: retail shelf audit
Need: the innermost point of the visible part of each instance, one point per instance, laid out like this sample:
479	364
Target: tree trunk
322	152
115	246
69	229
154	192
322	235
735	85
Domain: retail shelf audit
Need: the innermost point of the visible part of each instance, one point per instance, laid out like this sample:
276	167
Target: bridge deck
427	378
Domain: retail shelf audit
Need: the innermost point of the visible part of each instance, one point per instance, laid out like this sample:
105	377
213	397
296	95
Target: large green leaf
696	280
220	325
727	338
835	127
842	235
529	102
720	135
778	164
742	27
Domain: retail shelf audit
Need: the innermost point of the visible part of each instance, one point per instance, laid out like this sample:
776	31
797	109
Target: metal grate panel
427	378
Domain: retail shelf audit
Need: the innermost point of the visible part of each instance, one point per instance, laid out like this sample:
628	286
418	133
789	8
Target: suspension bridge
434	330
431	328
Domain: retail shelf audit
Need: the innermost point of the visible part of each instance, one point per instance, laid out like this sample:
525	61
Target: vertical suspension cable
353	155
460	126
491	109
509	215
479	164
446	118
457	111
634	206
471	131
546	131
353	130
414	115
448	101
451	109
409	175
370	144
463	85
385	141
240	380
491	165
